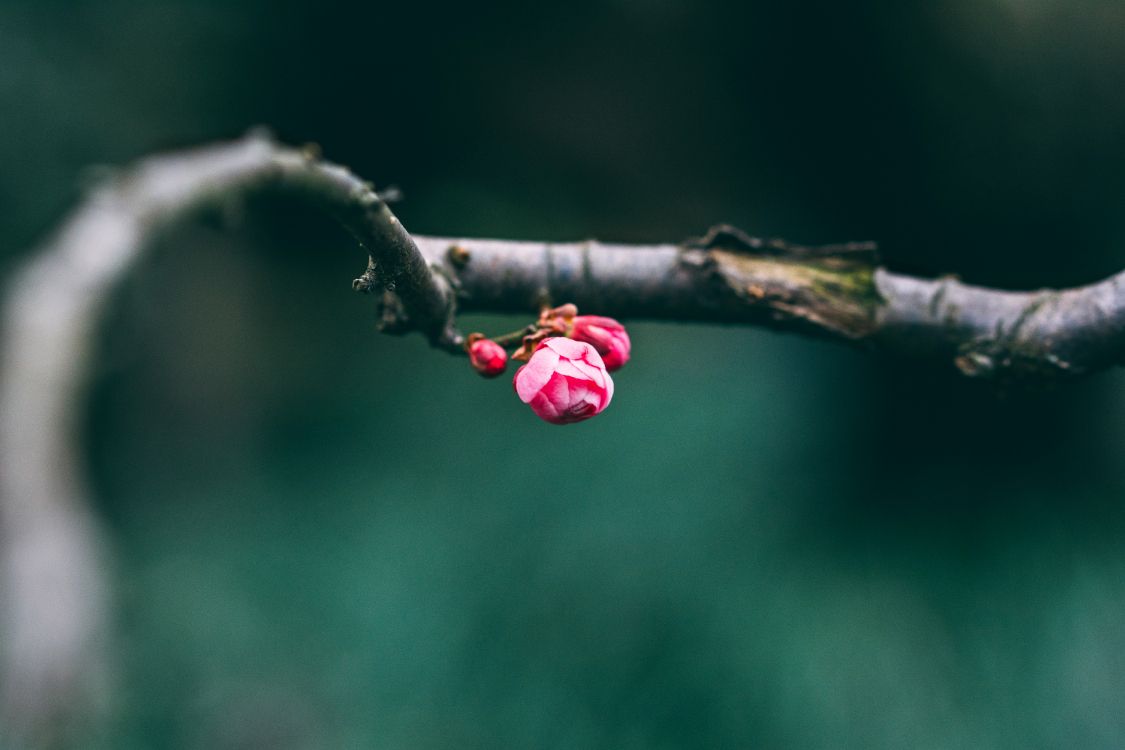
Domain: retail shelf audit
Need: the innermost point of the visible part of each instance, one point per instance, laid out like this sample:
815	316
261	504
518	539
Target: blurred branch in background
54	604
54	563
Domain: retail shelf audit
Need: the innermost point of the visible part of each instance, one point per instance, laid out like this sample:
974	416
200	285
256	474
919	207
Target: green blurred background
328	538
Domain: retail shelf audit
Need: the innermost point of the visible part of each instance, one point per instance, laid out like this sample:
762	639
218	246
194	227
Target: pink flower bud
487	357
607	336
564	381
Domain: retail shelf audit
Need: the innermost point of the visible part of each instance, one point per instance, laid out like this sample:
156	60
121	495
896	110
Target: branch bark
54	606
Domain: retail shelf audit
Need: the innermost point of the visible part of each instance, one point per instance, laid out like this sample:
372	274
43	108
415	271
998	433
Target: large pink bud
564	381
606	335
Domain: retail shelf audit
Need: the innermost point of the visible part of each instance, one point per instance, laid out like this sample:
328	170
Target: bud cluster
568	360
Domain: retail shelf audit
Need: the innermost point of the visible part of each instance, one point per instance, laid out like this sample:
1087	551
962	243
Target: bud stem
515	337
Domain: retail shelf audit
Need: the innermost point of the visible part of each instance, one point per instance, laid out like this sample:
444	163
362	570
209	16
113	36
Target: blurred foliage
328	538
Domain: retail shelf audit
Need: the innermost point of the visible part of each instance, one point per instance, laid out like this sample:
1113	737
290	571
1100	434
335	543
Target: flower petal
567	347
543	408
580	391
578	412
591	355
608	391
534	375
557	391
592	372
576	369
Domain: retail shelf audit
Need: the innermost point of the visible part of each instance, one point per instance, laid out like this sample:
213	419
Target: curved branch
54	608
52	559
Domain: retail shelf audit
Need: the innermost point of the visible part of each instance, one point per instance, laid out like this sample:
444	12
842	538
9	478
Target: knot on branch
375	278
439	326
827	290
1012	361
368	281
1025	349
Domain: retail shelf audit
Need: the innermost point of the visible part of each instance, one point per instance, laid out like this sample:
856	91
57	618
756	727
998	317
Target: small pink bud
607	336
486	356
564	381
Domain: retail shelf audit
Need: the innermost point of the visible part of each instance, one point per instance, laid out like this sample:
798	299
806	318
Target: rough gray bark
54	604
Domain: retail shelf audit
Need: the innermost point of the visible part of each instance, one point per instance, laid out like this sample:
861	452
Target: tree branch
53	560
836	292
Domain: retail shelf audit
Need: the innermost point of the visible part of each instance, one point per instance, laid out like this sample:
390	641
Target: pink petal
614	359
581	411
585	395
568	348
591	355
580	391
599	337
543	408
557	391
576	369
608	391
602	322
534	375
590	371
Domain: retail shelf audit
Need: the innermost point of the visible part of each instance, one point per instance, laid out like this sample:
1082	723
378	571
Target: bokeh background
328	538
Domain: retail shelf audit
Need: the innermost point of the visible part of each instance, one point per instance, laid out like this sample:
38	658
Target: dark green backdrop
327	538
